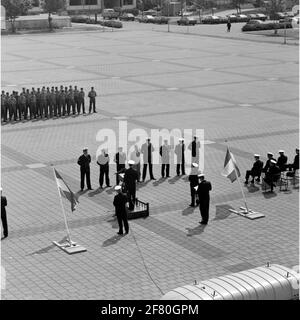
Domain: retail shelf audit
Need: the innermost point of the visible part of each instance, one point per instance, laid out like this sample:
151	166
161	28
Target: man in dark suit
146	150
84	161
203	193
120	200
193	179
130	179
282	160
103	162
3	216
272	174
179	151
119	159
255	171
194	146
294	166
267	165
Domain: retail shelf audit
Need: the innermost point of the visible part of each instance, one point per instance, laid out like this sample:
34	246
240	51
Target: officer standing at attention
3	215
203	193
3	117
119	159
84	161
38	102
194	146
76	98
130	179
147	149
103	162
179	151
81	95
120	200
193	179
136	157
164	152
32	99
92	95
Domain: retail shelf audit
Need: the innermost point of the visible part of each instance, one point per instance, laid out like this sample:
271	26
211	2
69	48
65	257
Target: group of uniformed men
273	168
45	102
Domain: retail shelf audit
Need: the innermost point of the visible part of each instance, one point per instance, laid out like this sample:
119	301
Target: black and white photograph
149	152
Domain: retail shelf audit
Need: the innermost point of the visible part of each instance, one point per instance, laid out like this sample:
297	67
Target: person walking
3	215
228	25
84	161
164	152
120	200
92	95
130	179
193	179
147	149
204	187
179	151
103	162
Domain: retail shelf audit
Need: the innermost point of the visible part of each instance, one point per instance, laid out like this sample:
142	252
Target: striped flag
231	170
65	190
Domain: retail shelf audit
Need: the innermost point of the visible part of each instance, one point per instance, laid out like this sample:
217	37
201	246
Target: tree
15	8
52	6
237	5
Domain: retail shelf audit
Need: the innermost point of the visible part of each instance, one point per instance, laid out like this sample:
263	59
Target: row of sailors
45	102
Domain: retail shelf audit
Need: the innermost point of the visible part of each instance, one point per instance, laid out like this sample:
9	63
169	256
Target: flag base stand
70	247
252	215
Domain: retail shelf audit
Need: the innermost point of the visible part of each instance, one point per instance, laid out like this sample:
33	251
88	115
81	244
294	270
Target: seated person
272	175
293	166
267	165
256	170
282	160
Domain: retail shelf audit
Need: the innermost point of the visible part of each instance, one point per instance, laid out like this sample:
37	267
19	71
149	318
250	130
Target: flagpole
237	177
64	213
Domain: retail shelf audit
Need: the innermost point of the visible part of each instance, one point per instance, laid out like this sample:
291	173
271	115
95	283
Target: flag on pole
231	170
65	190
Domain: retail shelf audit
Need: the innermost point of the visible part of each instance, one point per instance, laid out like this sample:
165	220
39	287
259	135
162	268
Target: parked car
278	15
242	18
261	16
150	12
232	17
161	20
252	16
110	14
127	17
253	22
222	19
146	19
184	21
210	20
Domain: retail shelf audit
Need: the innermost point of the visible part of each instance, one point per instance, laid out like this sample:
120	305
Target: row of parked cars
213	19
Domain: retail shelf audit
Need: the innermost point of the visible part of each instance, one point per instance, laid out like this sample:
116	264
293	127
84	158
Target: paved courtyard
245	92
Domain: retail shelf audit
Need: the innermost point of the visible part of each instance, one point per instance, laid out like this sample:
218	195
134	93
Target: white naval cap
195	165
131	162
270	153
85	148
201	175
281	151
273	161
256	155
118	188
180	139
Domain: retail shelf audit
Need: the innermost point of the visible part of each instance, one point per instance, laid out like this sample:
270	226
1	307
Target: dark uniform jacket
296	162
193	179
274	170
267	165
3	205
84	162
120	203
130	178
203	190
257	168
282	161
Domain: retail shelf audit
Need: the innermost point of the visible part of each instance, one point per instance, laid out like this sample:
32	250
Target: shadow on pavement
252	188
48	248
111	241
188	210
269	194
174	179
80	193
197	230
94	193
222	211
142	184
159	181
110	190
